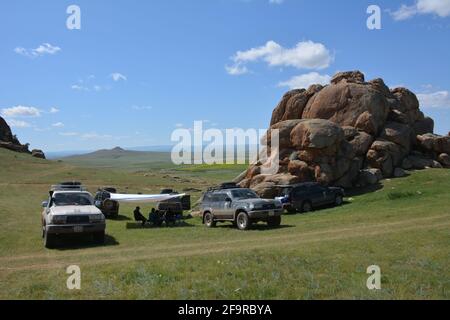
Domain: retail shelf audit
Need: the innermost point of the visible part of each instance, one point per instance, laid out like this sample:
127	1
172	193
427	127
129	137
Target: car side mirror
228	199
44	204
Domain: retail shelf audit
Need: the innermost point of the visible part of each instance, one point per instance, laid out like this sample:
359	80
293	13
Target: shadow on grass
120	218
255	226
76	242
138	225
360	191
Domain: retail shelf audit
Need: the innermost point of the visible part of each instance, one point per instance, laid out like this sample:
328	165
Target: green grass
403	228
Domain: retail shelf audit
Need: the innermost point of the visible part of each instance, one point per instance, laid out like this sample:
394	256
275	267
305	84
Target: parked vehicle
305	197
240	206
175	205
108	207
70	210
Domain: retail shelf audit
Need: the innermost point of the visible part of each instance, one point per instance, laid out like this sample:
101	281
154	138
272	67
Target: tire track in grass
235	246
115	250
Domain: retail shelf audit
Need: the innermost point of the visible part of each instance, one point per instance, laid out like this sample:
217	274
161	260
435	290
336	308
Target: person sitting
139	217
155	217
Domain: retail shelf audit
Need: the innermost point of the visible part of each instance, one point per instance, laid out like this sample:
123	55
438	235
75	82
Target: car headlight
278	204
59	219
95	218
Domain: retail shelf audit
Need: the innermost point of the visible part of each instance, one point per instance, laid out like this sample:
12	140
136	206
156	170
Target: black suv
305	197
240	206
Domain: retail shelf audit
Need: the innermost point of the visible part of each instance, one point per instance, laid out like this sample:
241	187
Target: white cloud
21	111
43	49
276	1
305	55
118	77
141	108
58	125
18	123
54	110
68	134
440	8
79	87
438	99
305	80
236	69
94	135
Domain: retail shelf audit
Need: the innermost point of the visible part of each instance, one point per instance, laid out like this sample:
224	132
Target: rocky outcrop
10	141
350	133
38	154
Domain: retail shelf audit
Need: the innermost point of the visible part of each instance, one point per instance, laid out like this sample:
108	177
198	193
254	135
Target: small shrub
395	195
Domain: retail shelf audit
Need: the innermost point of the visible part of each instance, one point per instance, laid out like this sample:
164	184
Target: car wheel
274	222
243	221
209	220
339	200
291	210
99	237
49	240
307	206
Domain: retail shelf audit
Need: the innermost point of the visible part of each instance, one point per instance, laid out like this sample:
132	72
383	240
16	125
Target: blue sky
138	69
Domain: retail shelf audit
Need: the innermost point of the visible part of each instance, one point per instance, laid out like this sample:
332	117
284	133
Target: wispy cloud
141	108
438	99
18	123
305	80
116	76
43	49
58	125
54	110
305	55
276	1
440	8
21	111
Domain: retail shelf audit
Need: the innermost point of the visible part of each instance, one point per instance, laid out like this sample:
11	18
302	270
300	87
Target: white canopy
144	198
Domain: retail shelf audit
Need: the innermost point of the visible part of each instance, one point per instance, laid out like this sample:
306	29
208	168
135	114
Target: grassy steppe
402	227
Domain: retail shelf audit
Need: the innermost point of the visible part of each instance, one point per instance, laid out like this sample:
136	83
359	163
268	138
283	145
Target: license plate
78	229
271	213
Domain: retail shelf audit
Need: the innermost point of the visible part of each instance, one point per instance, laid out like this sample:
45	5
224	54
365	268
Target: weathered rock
419	162
424	126
348	76
408	104
398	133
385	155
399	173
444	159
5	131
361	143
293	104
435	143
300	169
349	104
14	147
284	133
368	177
38	154
316	134
266	190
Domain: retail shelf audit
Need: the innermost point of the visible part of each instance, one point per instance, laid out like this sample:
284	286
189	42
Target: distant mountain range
64	154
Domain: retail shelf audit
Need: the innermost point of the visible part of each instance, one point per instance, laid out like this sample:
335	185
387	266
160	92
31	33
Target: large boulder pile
350	133
10	141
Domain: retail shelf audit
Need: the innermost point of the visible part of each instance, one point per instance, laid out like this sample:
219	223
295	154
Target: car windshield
72	199
244	194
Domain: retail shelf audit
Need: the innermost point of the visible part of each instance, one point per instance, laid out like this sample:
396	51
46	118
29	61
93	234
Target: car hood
258	202
75	210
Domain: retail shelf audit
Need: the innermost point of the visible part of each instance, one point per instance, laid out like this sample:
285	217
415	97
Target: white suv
70	209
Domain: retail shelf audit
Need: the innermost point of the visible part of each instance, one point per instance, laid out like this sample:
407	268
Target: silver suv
242	207
70	209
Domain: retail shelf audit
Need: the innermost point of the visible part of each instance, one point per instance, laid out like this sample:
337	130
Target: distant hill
121	158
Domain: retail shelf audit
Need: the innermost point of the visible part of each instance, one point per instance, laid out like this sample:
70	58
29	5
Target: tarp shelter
144	198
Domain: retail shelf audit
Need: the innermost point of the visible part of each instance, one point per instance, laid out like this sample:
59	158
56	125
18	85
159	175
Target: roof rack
224	186
68	186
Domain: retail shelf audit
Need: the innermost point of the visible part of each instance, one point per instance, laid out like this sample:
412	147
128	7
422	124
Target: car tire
49	240
243	221
99	237
307	207
291	210
339	200
208	219
274	222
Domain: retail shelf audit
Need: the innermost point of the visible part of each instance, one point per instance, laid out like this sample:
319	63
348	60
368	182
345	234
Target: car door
297	196
317	195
